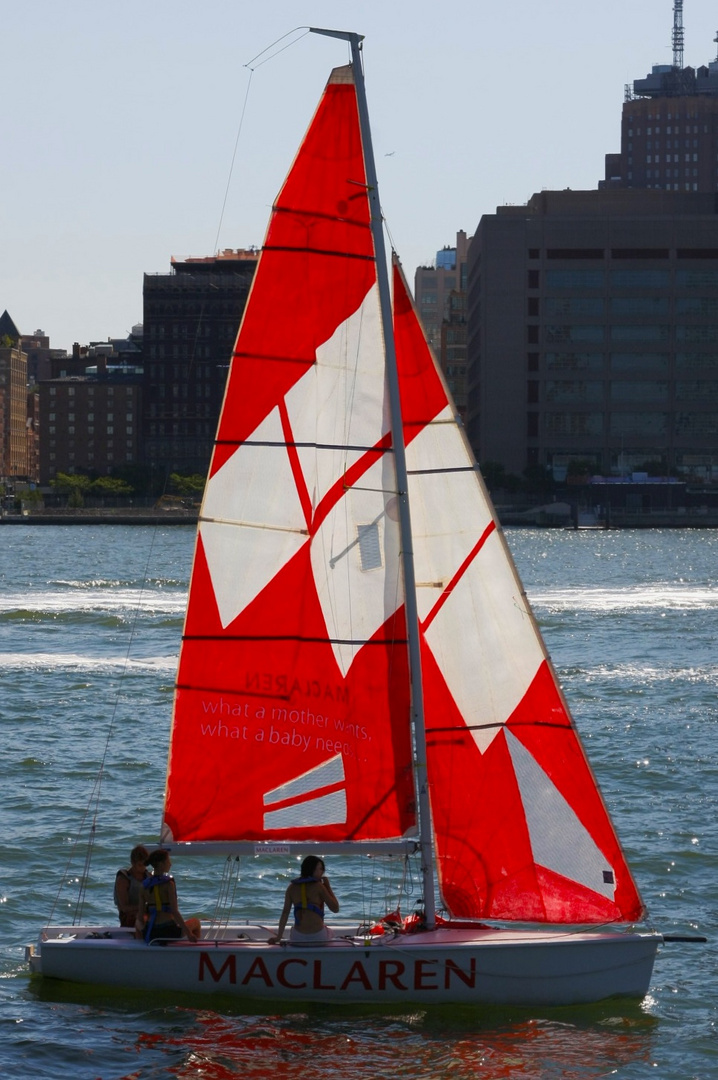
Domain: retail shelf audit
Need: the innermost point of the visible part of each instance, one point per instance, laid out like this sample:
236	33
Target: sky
133	131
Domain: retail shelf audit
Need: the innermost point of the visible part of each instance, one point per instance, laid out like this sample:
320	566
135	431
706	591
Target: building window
639	305
570	391
639	361
638	423
573	333
573	361
639	391
575	279
573	423
640	333
574	305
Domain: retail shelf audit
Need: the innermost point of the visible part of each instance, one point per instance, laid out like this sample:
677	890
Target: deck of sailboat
469	964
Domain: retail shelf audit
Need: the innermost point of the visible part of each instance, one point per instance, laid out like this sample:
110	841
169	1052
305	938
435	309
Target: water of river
90	621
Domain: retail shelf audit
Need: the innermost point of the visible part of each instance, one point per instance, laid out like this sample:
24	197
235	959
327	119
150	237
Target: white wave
632	598
641	674
110	601
73	662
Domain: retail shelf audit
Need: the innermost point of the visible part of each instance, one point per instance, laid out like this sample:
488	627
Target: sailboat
360	671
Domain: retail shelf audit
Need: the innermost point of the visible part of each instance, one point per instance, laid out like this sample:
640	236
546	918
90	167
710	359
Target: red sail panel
521	830
290	718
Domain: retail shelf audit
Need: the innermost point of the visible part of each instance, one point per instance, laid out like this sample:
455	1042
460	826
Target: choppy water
90	620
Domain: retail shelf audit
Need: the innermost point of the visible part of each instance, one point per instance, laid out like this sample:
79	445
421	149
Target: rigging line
251	70
234	157
93	802
277	53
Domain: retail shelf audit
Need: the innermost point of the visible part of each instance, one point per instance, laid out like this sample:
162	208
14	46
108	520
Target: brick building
13	402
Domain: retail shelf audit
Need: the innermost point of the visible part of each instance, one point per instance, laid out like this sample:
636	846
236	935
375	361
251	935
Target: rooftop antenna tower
678	34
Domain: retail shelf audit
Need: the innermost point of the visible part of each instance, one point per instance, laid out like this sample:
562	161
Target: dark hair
139	854
158	857
310	864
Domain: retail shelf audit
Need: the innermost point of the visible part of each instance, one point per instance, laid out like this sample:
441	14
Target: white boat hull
467	966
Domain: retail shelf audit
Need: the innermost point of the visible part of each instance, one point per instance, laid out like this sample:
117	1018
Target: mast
412	616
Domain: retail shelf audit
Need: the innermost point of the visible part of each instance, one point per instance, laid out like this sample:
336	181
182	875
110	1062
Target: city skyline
122	128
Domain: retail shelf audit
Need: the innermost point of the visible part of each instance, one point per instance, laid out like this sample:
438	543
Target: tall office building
669	127
593	333
191	319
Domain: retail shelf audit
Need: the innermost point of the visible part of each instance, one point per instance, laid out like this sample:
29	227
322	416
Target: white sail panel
336	409
255	489
329	772
558	839
447	517
489	670
357	595
327	810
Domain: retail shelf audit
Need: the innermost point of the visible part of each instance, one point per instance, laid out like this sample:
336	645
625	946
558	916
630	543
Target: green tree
74	486
110	485
67	483
187	486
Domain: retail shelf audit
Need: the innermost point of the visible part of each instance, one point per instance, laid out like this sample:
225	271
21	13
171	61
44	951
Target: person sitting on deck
158	902
128	886
307	894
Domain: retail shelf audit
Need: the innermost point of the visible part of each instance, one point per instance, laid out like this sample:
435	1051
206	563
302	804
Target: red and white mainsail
291	706
521	830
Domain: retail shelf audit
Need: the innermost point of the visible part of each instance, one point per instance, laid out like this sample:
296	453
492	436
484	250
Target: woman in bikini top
306	896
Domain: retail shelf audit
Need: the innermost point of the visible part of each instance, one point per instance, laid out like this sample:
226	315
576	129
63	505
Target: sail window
369	549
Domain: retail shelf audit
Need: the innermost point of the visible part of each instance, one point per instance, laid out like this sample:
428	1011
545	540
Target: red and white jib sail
290	718
521	830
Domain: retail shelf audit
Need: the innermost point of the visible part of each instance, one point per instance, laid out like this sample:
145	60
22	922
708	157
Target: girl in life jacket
307	895
158	916
128	886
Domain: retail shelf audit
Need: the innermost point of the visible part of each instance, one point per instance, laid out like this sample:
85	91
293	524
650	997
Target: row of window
669	130
639	332
627	279
700	306
619	362
182	428
89	457
675	158
642	424
195	351
108	417
594	390
89	430
90	445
